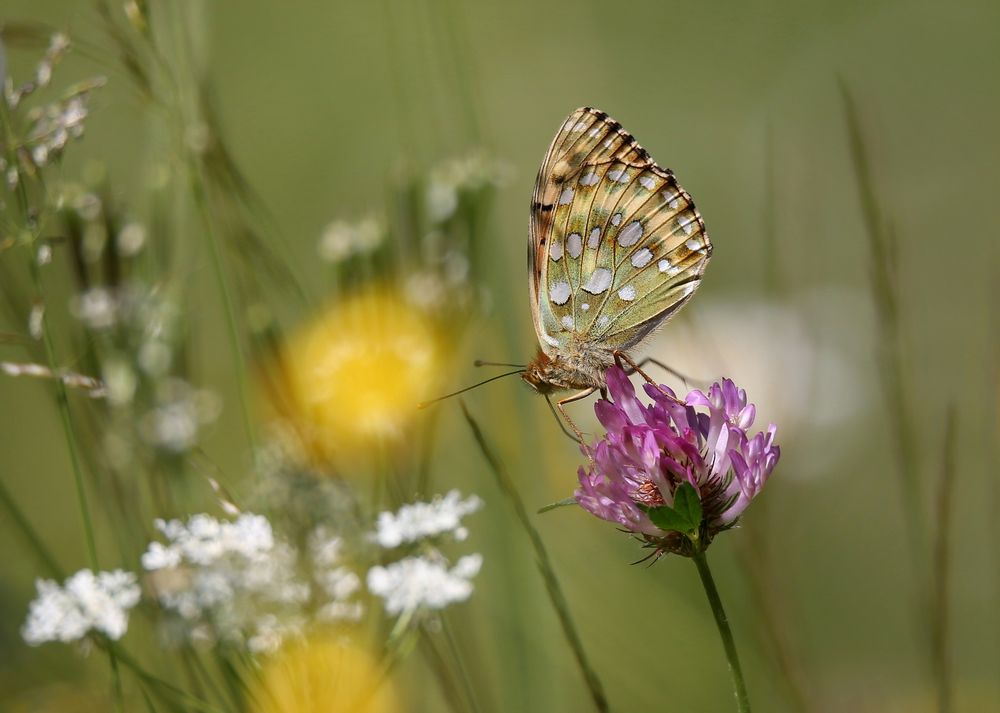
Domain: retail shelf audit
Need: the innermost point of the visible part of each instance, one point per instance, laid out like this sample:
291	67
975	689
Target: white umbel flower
418	521
339	582
416	582
87	602
235	577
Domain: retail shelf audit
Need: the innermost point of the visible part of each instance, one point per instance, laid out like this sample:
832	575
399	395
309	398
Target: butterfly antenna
425	404
480	362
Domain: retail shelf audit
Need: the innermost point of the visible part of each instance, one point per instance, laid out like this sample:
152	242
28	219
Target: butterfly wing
616	246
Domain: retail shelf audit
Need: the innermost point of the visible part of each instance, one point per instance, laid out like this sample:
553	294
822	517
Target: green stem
739	685
218	267
24	525
556	596
163	689
67	425
117	694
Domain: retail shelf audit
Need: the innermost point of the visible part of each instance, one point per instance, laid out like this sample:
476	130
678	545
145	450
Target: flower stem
739	685
62	401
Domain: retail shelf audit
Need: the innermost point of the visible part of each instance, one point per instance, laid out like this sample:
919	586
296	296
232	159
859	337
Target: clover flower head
676	472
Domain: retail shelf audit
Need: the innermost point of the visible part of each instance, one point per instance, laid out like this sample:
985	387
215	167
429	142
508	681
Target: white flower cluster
418	521
339	582
87	602
237	581
342	239
424	580
229	580
469	173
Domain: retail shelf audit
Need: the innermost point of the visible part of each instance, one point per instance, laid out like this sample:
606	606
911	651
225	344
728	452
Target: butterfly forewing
616	245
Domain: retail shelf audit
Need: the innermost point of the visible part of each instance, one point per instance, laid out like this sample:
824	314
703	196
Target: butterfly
615	248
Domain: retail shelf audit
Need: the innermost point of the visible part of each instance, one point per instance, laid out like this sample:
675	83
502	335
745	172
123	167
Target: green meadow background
325	104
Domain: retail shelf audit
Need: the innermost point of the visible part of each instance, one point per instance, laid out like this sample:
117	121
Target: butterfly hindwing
616	245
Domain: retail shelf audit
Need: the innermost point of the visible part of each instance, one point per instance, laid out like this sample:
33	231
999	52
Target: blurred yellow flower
323	675
358	371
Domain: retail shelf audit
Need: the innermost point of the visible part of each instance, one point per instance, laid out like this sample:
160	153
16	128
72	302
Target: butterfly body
615	248
580	366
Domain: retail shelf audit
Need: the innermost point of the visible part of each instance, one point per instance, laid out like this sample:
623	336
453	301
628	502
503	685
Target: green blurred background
324	103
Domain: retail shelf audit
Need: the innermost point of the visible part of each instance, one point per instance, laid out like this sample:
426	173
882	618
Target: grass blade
544	565
940	620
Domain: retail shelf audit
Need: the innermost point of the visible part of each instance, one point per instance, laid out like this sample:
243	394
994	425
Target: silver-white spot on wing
595	238
616	219
647	183
599	281
559	293
619	175
566	197
589	179
567	322
556	251
630	234
627	293
642	257
574	245
693	244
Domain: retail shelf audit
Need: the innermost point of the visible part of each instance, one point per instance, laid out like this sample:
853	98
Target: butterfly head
538	374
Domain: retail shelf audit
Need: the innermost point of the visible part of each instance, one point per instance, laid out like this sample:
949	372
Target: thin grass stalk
117	693
940	621
165	690
62	401
884	290
435	660
544	563
229	305
24	525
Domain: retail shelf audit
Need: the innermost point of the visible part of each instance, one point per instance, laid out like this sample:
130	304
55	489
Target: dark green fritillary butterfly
616	247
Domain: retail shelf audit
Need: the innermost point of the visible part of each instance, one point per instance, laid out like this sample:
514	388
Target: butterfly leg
562	426
621	357
686	380
568	400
